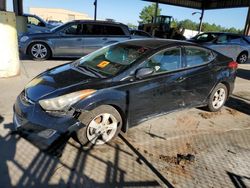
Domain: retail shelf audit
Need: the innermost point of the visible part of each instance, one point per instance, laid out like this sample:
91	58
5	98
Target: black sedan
119	86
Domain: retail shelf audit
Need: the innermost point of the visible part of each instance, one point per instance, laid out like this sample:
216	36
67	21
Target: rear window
114	30
196	56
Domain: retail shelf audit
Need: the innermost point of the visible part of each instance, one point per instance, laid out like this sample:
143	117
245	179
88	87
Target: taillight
233	65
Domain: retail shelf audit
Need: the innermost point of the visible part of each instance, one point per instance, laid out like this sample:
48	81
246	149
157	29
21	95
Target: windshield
112	59
59	27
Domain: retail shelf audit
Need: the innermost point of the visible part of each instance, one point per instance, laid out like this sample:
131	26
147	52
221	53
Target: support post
18	7
201	19
95	4
9	57
156	10
247	24
2	5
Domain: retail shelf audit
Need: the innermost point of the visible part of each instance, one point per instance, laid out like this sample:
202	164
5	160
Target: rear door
69	42
199	76
224	46
100	35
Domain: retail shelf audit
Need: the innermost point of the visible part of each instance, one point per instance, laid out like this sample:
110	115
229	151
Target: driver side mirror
144	72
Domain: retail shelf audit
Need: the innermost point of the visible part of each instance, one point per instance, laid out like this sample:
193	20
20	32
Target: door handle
180	79
79	39
105	38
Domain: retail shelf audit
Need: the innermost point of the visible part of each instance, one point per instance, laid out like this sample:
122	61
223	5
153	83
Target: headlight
24	38
64	101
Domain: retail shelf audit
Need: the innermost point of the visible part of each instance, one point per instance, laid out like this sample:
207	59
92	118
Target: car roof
98	22
156	43
219	33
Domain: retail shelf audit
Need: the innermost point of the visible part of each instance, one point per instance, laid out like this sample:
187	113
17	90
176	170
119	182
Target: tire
217	98
94	119
39	51
242	58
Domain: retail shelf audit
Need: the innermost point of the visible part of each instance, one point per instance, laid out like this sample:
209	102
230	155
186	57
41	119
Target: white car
232	45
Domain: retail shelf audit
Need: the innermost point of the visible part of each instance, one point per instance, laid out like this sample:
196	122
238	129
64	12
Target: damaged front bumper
39	127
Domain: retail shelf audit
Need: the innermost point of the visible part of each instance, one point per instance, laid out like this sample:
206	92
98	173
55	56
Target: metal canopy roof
205	4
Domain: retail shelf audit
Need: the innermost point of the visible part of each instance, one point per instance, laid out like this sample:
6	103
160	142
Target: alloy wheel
102	129
243	58
39	51
219	98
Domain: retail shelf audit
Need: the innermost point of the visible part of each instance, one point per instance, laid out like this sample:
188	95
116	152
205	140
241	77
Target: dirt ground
190	148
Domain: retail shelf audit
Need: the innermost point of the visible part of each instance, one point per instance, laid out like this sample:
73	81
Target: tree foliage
148	12
132	26
189	24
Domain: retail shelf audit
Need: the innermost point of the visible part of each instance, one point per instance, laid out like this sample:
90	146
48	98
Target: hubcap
39	51
102	129
243	58
219	98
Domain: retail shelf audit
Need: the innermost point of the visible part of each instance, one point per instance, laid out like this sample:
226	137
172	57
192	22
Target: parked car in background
73	39
37	24
119	86
139	34
232	45
55	22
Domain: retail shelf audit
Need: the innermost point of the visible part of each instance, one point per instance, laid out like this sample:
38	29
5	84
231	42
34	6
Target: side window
222	39
93	29
236	39
114	30
75	29
197	56
35	21
168	60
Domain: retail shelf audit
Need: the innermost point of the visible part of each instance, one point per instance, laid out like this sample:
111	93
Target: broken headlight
65	101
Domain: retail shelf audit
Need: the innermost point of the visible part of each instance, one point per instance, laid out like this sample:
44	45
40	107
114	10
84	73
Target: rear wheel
39	51
102	125
217	98
242	58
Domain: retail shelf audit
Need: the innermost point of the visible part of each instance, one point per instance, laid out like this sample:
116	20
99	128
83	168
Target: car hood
43	34
56	81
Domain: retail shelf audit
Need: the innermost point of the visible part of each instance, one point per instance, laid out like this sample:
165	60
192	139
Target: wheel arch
123	115
227	86
224	83
38	41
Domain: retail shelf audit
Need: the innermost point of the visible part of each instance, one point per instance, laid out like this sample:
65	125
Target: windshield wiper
90	69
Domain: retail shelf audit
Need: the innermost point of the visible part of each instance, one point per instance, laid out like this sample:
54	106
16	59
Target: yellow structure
58	14
9	57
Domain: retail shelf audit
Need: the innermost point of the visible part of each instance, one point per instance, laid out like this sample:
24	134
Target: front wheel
101	125
39	51
217	98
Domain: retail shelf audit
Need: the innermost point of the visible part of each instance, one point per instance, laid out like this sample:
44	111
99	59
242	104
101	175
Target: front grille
19	121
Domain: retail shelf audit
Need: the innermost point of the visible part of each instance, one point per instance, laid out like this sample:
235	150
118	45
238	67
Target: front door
69	42
160	92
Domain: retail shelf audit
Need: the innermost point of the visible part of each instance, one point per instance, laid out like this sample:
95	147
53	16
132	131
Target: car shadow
35	169
237	180
243	73
26	57
238	104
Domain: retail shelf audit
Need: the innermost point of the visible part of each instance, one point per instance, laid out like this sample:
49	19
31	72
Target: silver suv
73	39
